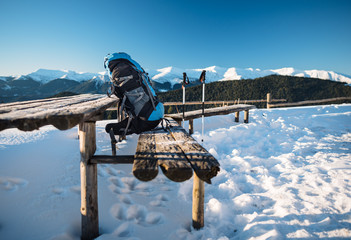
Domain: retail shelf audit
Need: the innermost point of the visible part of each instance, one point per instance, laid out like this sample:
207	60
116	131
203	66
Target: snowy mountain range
174	75
45	82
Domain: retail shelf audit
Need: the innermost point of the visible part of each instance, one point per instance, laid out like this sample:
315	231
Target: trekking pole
185	82
113	142
202	80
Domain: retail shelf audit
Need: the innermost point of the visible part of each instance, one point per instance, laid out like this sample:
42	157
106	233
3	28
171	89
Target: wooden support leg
179	122
88	176
198	202
191	126
237	116
246	116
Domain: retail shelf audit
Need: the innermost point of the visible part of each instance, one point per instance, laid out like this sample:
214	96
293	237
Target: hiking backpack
131	84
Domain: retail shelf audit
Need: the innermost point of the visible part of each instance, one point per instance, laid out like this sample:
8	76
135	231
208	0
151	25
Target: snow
174	75
6	87
215	73
46	75
286	174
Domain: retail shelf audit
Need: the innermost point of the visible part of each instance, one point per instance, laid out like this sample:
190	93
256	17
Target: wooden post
246	116
198	202
237	116
191	126
88	176
179	122
269	99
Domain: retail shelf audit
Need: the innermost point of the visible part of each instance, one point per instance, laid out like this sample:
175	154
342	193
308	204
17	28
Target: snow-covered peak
174	75
215	73
46	75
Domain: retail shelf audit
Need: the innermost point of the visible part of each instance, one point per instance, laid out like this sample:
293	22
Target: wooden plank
47	103
220	102
62	113
170	158
108	159
88	176
211	112
202	162
145	166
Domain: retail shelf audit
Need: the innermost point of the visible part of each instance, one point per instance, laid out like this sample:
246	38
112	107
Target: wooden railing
223	103
269	101
309	102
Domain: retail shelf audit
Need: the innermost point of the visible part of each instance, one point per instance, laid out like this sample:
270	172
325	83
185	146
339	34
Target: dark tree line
293	89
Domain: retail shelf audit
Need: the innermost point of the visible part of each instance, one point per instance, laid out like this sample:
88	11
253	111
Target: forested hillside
292	89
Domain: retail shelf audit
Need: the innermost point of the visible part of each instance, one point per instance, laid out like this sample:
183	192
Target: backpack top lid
120	55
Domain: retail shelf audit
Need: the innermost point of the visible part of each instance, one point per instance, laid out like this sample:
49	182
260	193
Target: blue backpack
131	84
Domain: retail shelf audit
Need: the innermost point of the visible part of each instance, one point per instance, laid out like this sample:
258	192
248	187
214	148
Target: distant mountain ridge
45	82
174	75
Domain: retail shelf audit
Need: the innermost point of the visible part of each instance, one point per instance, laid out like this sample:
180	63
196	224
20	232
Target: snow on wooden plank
63	113
171	158
203	163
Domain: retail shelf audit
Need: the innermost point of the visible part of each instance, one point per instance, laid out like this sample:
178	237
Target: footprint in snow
160	200
58	191
137	214
129	183
116	181
113	172
125	199
75	189
12	184
119	211
154	218
124	230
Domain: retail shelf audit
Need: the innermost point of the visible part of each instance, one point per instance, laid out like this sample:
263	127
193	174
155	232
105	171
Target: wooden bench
174	151
177	154
191	115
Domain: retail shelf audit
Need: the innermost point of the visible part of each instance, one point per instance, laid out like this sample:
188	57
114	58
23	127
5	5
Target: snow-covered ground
285	175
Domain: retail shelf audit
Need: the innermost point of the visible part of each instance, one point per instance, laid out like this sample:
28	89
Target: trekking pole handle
185	79
203	76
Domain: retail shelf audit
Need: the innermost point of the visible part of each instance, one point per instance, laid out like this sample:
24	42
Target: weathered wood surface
198	211
170	158
211	112
145	166
203	163
108	159
63	113
238	101
176	153
88	179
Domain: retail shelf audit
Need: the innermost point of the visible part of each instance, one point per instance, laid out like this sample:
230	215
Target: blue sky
76	35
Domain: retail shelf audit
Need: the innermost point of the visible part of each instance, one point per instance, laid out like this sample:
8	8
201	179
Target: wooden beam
88	176
107	159
211	112
309	102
